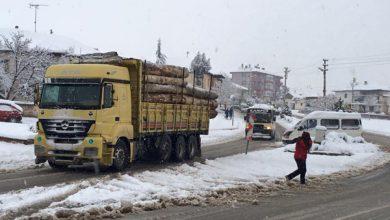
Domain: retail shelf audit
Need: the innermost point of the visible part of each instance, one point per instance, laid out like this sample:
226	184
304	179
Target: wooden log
172	98
165	70
213	114
188	90
163	80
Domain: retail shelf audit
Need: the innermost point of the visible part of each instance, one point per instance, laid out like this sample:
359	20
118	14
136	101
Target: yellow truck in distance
96	113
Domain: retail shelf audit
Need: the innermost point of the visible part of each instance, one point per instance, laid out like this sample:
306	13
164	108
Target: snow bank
18	131
260	168
341	143
378	126
16	156
221	130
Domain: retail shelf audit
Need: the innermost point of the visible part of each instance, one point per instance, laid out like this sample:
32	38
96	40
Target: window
345	95
350	124
6	108
108	92
331	124
311	123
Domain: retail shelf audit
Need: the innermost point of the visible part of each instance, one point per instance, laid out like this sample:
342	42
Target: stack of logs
167	84
162	84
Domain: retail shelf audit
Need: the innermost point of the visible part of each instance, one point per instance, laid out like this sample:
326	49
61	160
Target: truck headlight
38	150
90	152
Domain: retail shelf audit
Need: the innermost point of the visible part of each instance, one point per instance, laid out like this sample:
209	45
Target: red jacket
301	149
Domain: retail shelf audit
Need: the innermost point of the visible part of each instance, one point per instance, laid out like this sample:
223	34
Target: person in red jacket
302	147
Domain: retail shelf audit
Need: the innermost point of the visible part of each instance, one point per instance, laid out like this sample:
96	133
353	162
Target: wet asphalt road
46	176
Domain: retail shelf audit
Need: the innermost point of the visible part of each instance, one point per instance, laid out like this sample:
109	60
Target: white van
326	121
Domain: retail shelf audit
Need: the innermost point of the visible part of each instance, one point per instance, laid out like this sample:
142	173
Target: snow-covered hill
52	42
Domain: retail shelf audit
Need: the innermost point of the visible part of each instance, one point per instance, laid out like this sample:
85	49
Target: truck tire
164	148
199	148
55	166
180	149
121	156
191	147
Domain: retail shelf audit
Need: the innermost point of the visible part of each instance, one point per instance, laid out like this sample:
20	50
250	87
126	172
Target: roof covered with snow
51	42
366	86
262	106
333	114
12	103
239	86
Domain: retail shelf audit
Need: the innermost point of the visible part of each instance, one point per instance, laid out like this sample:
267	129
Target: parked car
10	113
317	121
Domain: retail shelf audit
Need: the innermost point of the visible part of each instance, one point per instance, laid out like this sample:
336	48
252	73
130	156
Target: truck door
110	109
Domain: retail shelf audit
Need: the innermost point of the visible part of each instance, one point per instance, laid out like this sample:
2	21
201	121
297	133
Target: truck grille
66	131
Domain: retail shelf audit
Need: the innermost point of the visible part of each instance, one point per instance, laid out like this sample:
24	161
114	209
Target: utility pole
286	71
324	69
36	7
353	84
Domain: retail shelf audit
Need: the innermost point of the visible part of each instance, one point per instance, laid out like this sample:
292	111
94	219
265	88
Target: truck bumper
89	150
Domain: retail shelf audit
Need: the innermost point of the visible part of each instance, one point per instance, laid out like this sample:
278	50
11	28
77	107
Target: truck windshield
263	118
76	96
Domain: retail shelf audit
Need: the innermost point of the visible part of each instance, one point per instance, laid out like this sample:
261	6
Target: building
205	81
266	87
366	98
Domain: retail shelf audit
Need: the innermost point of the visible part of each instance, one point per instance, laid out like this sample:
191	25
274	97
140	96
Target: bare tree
26	67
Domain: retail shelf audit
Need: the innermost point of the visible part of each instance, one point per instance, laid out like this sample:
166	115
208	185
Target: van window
331	124
350	124
311	123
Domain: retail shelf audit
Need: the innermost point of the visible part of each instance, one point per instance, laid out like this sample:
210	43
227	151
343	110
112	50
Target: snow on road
186	182
221	130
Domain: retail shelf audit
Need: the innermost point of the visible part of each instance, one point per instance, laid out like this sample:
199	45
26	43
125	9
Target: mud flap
96	166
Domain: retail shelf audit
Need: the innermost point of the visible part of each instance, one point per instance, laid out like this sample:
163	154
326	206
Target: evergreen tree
200	64
161	58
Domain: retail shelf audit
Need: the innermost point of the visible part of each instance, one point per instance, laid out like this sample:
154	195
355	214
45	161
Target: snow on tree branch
25	67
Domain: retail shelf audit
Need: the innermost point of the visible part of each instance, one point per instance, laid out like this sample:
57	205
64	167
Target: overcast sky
274	34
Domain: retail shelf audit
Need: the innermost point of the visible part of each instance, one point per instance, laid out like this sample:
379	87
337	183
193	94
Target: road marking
363	212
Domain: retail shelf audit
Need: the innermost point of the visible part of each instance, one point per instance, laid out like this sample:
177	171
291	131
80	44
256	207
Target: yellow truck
95	113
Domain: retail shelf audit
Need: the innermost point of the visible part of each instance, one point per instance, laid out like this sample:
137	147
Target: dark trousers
301	170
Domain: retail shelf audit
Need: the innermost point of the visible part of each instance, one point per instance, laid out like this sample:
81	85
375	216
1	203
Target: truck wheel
198	152
55	166
180	148
164	147
121	156
191	147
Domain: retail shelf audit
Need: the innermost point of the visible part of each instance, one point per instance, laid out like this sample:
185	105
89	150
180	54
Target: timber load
160	83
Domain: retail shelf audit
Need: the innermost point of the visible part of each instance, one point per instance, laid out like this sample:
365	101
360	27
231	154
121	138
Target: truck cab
264	121
84	110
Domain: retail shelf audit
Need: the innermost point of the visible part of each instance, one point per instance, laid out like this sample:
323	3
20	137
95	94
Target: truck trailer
97	113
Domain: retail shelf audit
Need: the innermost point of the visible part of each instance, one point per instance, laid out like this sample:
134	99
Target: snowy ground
378	126
15	156
221	130
20	131
188	183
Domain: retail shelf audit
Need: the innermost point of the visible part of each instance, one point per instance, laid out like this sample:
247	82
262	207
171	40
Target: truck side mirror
37	94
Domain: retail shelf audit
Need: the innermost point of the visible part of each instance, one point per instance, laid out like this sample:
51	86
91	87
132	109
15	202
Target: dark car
10	113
